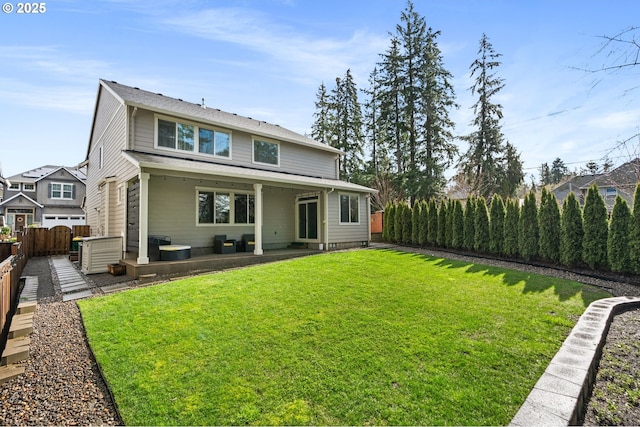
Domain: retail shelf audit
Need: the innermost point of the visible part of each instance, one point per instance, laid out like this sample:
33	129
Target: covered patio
209	262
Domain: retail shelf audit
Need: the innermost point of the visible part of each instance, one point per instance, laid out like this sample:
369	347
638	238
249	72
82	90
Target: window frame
62	191
232	207
25	187
254	140
195	143
351	196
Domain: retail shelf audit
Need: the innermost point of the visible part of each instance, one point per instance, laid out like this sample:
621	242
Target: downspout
326	218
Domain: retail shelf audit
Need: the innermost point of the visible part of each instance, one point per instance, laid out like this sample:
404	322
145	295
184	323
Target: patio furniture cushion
222	245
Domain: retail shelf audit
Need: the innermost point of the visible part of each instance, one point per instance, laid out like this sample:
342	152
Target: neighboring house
159	166
620	181
45	197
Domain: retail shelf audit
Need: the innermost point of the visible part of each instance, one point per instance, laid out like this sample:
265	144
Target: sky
266	59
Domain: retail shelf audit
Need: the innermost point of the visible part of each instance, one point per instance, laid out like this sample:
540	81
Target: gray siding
294	158
342	233
109	132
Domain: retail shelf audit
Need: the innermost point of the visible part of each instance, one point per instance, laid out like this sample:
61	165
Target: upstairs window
29	187
61	191
192	138
14	186
266	152
349	209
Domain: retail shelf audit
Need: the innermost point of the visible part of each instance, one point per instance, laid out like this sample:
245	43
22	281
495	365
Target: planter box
117	269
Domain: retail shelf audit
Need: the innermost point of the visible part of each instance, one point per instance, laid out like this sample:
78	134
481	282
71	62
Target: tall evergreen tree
482	238
549	227
571	232
511	227
485	164
596	229
528	228
618	238
347	125
634	233
496	231
558	170
470	224
321	129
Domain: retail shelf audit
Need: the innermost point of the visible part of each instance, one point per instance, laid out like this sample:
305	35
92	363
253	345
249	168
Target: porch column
143	221
325	219
257	188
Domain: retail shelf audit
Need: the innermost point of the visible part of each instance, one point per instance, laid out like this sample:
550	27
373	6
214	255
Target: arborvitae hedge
457	233
469	224
549	227
594	244
397	222
571	232
406	224
448	232
528	228
385	222
511	227
481	240
442	224
634	233
496	225
432	225
415	222
618	238
424	219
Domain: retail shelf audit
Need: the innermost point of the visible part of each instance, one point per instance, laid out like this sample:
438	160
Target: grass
352	338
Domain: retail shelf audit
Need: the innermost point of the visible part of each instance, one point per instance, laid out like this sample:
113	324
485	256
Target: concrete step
16	350
9	372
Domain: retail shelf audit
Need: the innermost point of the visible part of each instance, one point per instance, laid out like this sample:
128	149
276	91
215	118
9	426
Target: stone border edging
560	395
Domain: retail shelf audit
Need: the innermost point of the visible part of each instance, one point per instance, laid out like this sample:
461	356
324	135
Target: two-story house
157	165
45	197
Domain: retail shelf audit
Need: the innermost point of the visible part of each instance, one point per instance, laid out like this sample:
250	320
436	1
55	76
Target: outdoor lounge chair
222	245
247	243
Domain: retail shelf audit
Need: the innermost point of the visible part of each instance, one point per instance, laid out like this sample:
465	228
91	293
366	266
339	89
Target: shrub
432	225
406	223
423	223
387	221
481	240
528	228
549	227
594	243
397	222
469	223
511	227
442	224
634	233
618	238
496	225
571	232
457	233
415	222
448	232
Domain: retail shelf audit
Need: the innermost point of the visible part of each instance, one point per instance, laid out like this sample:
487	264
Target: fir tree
496	232
571	232
481	241
549	226
528	228
594	243
321	128
618	238
511	227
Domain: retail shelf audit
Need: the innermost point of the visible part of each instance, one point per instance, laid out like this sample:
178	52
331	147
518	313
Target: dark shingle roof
177	107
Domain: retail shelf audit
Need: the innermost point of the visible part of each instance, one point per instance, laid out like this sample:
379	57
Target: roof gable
35	175
198	112
15	197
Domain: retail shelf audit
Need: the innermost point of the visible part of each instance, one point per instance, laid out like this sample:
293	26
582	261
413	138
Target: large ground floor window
224	207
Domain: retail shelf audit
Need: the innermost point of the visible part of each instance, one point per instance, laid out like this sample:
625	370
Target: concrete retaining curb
560	395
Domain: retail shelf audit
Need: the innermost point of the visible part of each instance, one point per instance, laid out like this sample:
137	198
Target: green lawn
351	338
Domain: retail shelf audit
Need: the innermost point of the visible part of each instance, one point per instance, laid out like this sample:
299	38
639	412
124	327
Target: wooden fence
52	241
10	272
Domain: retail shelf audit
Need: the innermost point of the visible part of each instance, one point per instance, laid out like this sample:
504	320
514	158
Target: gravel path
62	384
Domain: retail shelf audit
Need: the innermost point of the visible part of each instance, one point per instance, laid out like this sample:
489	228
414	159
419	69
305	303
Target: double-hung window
192	138
266	152
61	191
224	207
349	209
